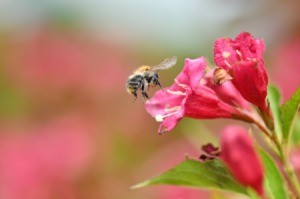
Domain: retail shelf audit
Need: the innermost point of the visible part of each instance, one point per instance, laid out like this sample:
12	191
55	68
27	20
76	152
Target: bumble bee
146	76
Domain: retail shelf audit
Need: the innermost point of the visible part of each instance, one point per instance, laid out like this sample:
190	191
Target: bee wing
167	63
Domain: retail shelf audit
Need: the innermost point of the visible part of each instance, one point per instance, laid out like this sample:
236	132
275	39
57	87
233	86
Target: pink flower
243	58
52	60
239	155
188	97
226	91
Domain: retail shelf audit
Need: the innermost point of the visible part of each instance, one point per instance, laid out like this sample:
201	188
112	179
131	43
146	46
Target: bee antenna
160	86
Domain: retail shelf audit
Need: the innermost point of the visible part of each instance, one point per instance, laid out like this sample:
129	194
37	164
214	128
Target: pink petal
192	72
226	92
244	47
167	107
248	46
250	78
169	123
224	53
162	100
205	104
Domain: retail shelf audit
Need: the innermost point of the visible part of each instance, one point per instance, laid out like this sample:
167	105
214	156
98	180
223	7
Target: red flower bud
239	155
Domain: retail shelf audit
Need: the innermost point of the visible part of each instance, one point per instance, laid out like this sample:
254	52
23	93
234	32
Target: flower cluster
238	82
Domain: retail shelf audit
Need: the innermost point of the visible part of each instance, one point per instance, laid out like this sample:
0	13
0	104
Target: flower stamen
251	59
226	62
176	93
170	111
239	54
175	108
181	85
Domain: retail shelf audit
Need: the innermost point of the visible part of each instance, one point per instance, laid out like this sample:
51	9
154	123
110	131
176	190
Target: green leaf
273	180
209	174
274	100
296	131
288	112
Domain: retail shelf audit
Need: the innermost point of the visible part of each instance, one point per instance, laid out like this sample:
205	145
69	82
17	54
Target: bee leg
135	96
145	95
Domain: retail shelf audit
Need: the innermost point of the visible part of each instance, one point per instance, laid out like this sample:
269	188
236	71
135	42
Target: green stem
248	117
283	151
289	170
267	117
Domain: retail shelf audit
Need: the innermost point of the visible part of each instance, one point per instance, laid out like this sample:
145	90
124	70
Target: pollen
226	54
220	76
159	118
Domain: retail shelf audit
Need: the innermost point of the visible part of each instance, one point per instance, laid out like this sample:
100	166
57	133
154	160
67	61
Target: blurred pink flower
44	162
238	153
295	159
243	58
286	66
188	97
60	60
176	192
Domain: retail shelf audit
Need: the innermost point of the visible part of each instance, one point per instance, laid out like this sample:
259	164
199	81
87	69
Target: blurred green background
68	127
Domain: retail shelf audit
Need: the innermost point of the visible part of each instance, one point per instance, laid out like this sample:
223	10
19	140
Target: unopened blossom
188	97
242	57
238	153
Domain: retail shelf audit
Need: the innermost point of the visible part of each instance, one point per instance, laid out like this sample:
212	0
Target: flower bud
239	155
